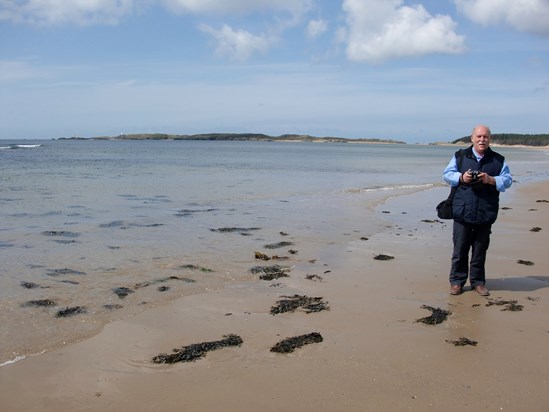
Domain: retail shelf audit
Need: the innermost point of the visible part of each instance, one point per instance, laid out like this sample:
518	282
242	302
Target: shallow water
83	218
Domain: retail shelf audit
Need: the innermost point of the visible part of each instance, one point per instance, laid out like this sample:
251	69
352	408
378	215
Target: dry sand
374	357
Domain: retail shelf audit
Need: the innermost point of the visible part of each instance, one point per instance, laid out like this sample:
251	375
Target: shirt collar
478	155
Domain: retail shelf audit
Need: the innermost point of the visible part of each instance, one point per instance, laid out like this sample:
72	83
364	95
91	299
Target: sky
418	71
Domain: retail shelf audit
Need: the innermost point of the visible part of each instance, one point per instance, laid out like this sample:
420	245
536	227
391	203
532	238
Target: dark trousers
477	239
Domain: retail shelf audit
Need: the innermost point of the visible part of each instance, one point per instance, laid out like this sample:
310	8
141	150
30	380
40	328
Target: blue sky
419	71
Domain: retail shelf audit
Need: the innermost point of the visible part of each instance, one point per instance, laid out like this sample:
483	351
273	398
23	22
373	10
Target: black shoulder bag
444	208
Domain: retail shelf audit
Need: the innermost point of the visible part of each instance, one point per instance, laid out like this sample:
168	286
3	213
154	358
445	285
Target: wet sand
374	354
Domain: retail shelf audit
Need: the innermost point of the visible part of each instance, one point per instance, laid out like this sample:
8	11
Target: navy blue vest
478	203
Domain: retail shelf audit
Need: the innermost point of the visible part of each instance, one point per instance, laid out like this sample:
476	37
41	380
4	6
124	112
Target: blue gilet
477	203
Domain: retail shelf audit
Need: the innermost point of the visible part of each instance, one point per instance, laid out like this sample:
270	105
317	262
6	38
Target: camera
474	175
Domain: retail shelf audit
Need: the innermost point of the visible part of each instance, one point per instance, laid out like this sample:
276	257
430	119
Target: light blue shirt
451	174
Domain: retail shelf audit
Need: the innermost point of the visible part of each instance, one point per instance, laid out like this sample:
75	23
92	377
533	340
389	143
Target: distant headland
258	137
537	140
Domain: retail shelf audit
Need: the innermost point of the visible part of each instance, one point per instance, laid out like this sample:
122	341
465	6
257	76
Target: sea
92	231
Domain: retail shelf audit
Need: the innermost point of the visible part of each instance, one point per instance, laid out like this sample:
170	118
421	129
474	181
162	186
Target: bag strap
460	154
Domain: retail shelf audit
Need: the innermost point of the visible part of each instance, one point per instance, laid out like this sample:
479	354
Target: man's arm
504	180
451	174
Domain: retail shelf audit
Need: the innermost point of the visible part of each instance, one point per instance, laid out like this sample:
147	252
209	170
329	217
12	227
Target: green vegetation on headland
535	140
236	137
513	139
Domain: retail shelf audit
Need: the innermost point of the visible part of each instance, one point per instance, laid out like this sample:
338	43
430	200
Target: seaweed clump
383	257
40	303
196	351
122	292
270	272
64	271
244	231
110	306
437	316
463	342
278	245
288	345
292	303
194	267
62	233
31	285
509	305
75	310
263	256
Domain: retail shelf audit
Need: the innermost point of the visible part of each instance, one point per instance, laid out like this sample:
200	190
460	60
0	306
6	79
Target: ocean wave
20	146
12	361
20	358
393	187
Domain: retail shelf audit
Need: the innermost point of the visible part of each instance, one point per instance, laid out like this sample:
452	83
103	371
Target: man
479	174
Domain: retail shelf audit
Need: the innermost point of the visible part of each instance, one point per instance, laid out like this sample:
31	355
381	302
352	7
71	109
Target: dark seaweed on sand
241	230
292	303
162	280
194	267
190	212
64	271
288	345
508	305
383	257
122	292
31	285
463	342
438	315
75	310
114	223
61	233
263	256
278	245
270	272
525	262
40	302
196	351
111	306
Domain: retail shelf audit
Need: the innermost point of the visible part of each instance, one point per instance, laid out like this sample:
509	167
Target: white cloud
87	12
225	6
51	12
315	28
379	30
525	15
238	44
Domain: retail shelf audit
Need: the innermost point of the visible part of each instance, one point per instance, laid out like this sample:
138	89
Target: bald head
481	138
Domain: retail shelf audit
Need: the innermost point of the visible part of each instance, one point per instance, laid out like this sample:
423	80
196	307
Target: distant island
537	140
259	137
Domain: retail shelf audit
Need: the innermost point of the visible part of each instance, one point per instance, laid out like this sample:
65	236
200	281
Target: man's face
481	139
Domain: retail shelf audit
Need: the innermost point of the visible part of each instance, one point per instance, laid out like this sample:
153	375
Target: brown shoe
481	290
456	290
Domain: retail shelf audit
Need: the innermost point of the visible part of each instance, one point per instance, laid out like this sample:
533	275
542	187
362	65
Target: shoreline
374	355
312	241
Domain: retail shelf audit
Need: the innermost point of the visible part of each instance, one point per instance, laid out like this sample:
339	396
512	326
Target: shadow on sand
526	284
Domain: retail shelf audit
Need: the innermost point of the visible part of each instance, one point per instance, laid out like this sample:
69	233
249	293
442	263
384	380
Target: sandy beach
375	355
